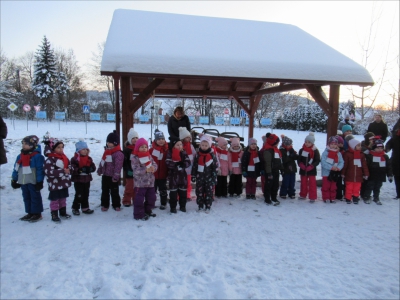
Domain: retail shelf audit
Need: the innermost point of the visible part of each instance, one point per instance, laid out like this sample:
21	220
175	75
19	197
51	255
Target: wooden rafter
162	92
279	89
319	96
135	104
242	105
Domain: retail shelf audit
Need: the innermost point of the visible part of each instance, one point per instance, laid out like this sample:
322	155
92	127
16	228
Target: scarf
357	156
187	146
310	153
276	150
144	158
84	161
25	160
378	154
176	155
287	148
60	156
222	152
333	154
158	151
205	158
253	155
107	155
235	155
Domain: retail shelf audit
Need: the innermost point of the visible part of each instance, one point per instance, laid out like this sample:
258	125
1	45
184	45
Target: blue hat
81	145
346	127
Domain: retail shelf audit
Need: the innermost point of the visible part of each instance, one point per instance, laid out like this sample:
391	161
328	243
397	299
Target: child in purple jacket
143	168
110	169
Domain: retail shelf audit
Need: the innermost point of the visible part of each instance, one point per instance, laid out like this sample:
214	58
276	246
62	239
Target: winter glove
390	179
129	173
365	177
15	185
334	176
85	170
309	168
269	176
302	166
262	172
193	179
244	174
38	186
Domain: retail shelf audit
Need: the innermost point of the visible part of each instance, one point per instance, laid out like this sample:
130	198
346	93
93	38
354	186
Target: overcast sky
81	25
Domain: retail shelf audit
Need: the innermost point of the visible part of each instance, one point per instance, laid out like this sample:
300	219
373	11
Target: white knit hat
183	133
132	134
207	139
353	143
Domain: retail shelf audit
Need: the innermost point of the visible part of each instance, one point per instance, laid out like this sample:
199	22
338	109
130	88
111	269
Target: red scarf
132	147
204	158
110	152
253	155
356	153
25	159
235	155
287	148
160	149
378	154
276	150
187	146
84	161
176	155
144	158
62	156
333	154
309	150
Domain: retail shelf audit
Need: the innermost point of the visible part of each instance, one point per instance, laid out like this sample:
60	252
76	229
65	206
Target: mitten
129	173
262	172
309	168
269	176
38	186
302	166
85	170
244	174
390	179
193	179
365	177
15	185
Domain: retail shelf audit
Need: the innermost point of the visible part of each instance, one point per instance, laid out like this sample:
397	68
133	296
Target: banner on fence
59	115
203	120
144	118
265	121
94	116
235	121
110	117
191	119
41	115
219	120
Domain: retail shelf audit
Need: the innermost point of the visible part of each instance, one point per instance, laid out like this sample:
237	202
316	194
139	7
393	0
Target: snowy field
243	249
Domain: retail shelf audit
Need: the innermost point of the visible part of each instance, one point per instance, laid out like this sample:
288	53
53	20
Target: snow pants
397	183
81	199
204	194
144	201
235	184
340	189
308	186
189	187
129	192
58	204
372	186
328	189
109	187
288	183
251	185
161	185
221	189
32	199
352	189
271	187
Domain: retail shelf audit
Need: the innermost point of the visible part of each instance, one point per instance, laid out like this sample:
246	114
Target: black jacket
174	124
380	128
3	135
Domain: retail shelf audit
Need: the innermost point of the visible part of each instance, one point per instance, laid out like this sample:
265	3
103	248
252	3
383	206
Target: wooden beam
145	94
197	93
279	89
209	82
242	105
334	93
126	96
181	83
319	96
116	92
234	86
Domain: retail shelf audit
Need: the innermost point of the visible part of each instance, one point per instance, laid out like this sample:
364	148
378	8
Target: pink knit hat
235	142
139	143
206	138
221	141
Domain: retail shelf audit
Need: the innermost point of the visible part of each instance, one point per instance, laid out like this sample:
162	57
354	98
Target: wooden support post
334	93
116	92
254	102
127	115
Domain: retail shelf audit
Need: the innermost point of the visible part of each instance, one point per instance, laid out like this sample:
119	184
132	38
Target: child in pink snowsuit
221	189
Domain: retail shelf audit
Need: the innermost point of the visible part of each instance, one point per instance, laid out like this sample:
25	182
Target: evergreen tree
45	74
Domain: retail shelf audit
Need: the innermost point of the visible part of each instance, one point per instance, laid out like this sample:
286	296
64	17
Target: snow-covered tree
45	74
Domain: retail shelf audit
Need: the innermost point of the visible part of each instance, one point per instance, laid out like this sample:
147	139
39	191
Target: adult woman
394	145
179	119
3	135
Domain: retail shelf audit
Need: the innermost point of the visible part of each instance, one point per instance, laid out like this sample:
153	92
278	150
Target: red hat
272	139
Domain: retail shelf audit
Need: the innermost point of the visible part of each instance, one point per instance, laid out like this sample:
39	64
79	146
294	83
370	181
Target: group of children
177	162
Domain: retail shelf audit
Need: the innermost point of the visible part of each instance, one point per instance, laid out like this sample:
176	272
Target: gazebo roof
146	44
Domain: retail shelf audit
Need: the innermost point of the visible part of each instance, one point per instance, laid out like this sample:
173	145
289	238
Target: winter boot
182	200
163	198
35	218
367	200
63	213
173	200
333	201
268	202
248	197
348	201
276	202
145	218
377	201
54	216
253	197
75	212
355	200
26	217
87	211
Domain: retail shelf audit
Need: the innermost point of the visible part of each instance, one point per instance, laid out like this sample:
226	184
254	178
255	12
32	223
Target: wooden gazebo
175	56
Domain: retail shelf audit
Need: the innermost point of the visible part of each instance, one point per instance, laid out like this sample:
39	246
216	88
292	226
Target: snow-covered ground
242	249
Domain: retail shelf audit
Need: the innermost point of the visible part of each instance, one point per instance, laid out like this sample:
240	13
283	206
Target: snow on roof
165	43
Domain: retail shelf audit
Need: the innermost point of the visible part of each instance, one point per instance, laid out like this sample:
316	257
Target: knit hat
368	136
31	140
339	132
377	143
346	127
221	141
139	143
263	138
113	138
347	117
158	135
339	139
172	141
54	142
272	139
349	137
183	133
310	137
80	145
235	142
206	138
333	140
252	141
353	143
132	134
286	141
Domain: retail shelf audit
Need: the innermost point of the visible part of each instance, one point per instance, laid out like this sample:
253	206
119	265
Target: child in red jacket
158	152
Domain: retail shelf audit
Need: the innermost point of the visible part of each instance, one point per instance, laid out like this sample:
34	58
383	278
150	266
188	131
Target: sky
82	25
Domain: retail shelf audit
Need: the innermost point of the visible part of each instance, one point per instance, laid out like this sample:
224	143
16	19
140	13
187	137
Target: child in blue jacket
28	175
